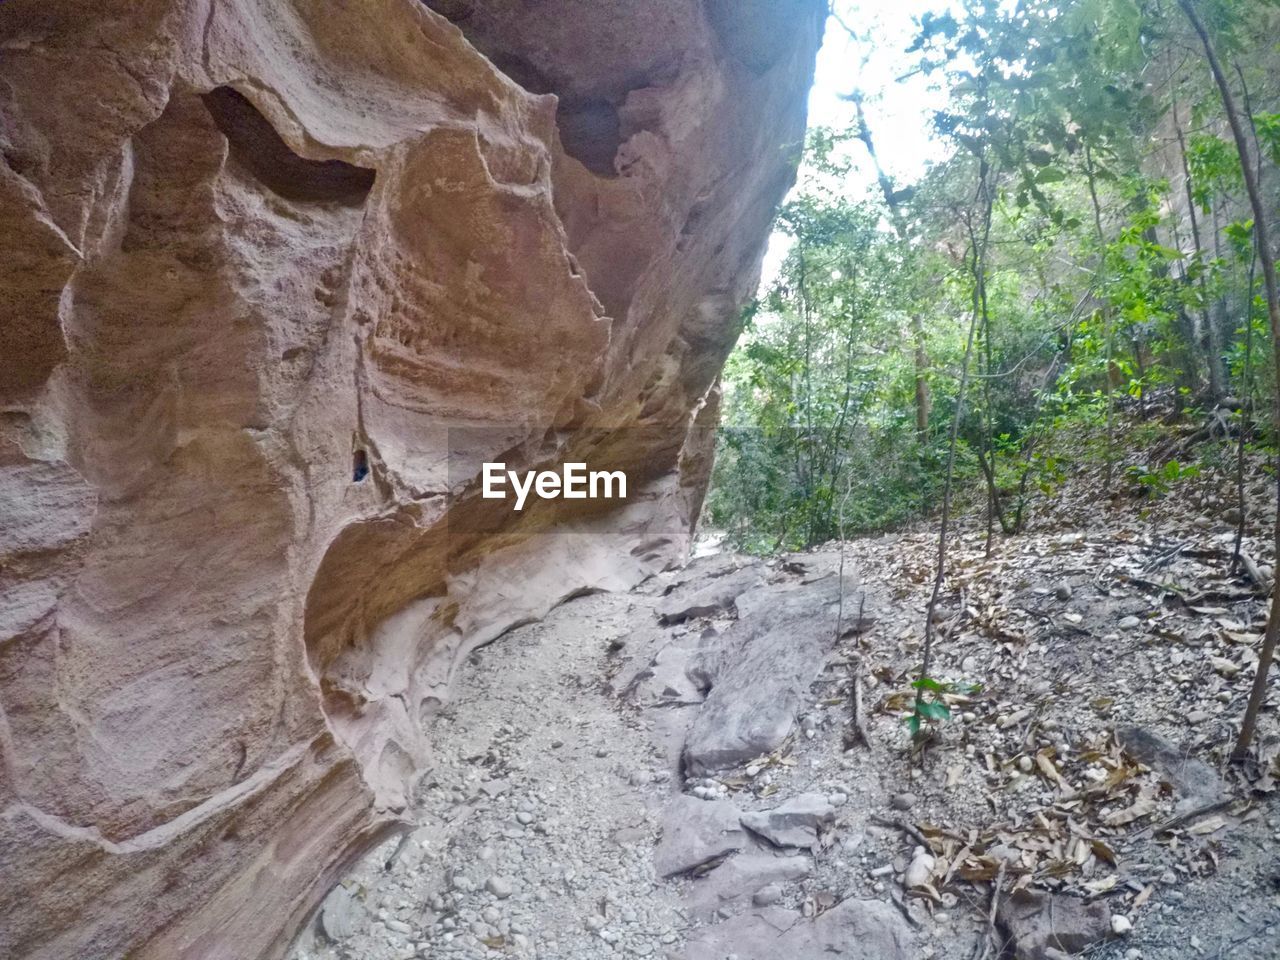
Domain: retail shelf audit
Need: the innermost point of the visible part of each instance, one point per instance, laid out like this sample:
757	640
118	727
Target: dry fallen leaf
1048	769
1135	811
1205	827
1228	668
1103	852
1103	885
1248	639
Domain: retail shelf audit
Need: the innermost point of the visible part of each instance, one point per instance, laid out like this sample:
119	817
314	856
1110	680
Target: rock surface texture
277	275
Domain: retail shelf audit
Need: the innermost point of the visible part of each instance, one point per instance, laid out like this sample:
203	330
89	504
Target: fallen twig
859	716
1220	596
1174	822
989	941
1161	588
902	909
905	827
1166	557
1243	939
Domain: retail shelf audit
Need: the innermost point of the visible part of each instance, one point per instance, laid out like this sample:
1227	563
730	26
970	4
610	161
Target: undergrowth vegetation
1087	280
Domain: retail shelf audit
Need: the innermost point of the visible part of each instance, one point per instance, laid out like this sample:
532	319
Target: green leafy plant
1268	127
1156	483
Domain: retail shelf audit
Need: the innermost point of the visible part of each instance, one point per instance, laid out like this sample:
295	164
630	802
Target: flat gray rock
695	832
853	930
795	823
635	660
1195	782
703	598
772	654
743	875
666	679
339	914
697	570
680	672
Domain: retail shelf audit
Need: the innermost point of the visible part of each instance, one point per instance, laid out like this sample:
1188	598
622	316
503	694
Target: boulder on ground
695	832
774	651
795	823
1042	926
852	930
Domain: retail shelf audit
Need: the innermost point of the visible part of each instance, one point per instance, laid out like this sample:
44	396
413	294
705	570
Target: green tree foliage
1092	216
819	386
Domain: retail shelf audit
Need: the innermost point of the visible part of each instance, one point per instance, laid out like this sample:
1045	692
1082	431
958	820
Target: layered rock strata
276	276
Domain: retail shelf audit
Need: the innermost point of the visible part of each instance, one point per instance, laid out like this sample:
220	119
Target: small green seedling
930	707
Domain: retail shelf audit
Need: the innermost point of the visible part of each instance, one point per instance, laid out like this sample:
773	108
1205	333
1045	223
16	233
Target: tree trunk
923	402
940	568
1106	325
1266	257
1213	347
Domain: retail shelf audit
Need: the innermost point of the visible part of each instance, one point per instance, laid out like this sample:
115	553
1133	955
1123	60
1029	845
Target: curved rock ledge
277	275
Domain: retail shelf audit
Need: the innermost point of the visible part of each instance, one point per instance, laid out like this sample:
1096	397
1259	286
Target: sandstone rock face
275	277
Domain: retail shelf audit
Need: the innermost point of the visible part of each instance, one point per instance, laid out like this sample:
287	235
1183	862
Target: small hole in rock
359	466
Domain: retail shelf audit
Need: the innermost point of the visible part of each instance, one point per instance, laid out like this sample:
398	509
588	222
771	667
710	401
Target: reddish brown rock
253	249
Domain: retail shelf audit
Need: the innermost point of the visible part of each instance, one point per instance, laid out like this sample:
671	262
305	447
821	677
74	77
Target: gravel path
539	818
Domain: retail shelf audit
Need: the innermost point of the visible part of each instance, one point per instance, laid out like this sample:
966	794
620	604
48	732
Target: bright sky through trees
898	103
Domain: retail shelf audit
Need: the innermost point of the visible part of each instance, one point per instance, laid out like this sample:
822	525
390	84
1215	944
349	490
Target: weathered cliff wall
250	248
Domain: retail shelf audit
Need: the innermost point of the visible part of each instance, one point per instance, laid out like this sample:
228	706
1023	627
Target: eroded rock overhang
263	261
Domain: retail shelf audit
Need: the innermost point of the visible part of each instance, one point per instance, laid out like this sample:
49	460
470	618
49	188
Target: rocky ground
680	771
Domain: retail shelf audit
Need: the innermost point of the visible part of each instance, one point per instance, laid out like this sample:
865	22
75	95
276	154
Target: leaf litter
1106	615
